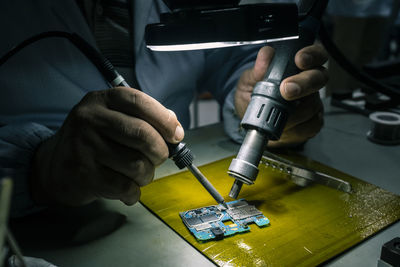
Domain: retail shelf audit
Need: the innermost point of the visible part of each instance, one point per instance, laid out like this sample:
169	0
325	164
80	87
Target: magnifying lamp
195	24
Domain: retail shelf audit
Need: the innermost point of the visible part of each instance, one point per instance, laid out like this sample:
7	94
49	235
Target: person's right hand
107	147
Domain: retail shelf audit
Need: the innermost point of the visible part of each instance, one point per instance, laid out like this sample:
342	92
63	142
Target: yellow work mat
307	227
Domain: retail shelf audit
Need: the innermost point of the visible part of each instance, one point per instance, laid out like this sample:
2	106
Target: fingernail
179	133
172	113
292	90
306	59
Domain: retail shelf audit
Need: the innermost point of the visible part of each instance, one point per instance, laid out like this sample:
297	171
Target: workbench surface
146	241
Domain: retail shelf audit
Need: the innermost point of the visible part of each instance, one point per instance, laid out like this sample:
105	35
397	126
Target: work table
144	240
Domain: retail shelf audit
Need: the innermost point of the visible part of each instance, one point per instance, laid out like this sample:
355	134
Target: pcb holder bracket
301	175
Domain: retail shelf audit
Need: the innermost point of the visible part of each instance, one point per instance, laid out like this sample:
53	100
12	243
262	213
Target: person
67	139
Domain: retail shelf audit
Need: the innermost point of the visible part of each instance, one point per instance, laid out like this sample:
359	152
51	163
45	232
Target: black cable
99	61
181	155
358	74
316	10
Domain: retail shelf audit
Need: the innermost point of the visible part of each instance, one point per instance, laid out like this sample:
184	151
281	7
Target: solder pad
217	222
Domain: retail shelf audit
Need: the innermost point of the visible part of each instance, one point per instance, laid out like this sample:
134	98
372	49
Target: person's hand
107	147
307	118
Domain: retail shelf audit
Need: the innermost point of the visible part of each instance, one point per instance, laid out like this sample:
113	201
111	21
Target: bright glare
198	46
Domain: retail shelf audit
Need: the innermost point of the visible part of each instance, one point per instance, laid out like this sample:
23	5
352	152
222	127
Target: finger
139	170
126	161
305	110
311	56
131	132
304	83
301	133
120	158
114	185
252	76
138	104
242	100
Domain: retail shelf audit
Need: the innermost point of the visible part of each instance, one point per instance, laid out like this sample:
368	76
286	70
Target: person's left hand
307	118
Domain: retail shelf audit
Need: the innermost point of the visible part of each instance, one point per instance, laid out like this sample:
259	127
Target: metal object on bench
303	176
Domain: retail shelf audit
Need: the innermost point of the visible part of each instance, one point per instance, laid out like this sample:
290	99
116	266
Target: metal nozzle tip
235	190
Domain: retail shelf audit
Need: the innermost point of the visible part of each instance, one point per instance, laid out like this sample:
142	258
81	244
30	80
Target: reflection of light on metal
198	46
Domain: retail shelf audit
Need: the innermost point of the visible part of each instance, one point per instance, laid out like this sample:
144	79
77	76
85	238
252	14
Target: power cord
102	64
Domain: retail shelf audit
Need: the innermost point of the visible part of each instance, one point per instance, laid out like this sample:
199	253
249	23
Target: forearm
18	144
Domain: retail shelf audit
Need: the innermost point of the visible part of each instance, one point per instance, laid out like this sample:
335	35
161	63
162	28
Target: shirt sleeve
223	68
231	119
18	143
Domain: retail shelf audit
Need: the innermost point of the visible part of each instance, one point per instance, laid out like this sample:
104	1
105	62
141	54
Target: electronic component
217	221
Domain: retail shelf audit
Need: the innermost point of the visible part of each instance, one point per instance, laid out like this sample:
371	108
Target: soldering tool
268	112
183	157
193	25
179	153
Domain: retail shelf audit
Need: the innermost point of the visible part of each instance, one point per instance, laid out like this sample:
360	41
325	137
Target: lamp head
176	5
199	24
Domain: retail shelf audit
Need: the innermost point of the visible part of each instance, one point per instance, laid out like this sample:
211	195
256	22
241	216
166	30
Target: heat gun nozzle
244	168
235	190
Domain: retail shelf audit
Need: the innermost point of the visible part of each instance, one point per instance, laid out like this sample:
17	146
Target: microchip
216	222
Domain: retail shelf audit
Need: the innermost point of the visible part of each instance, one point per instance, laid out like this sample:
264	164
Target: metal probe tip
207	185
183	157
235	190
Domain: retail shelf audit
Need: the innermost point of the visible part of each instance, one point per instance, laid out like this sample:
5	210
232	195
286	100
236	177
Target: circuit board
216	222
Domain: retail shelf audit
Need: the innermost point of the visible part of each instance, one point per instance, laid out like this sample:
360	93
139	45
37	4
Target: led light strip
210	45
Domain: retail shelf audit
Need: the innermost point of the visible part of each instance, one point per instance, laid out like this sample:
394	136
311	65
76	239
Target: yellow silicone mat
307	225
